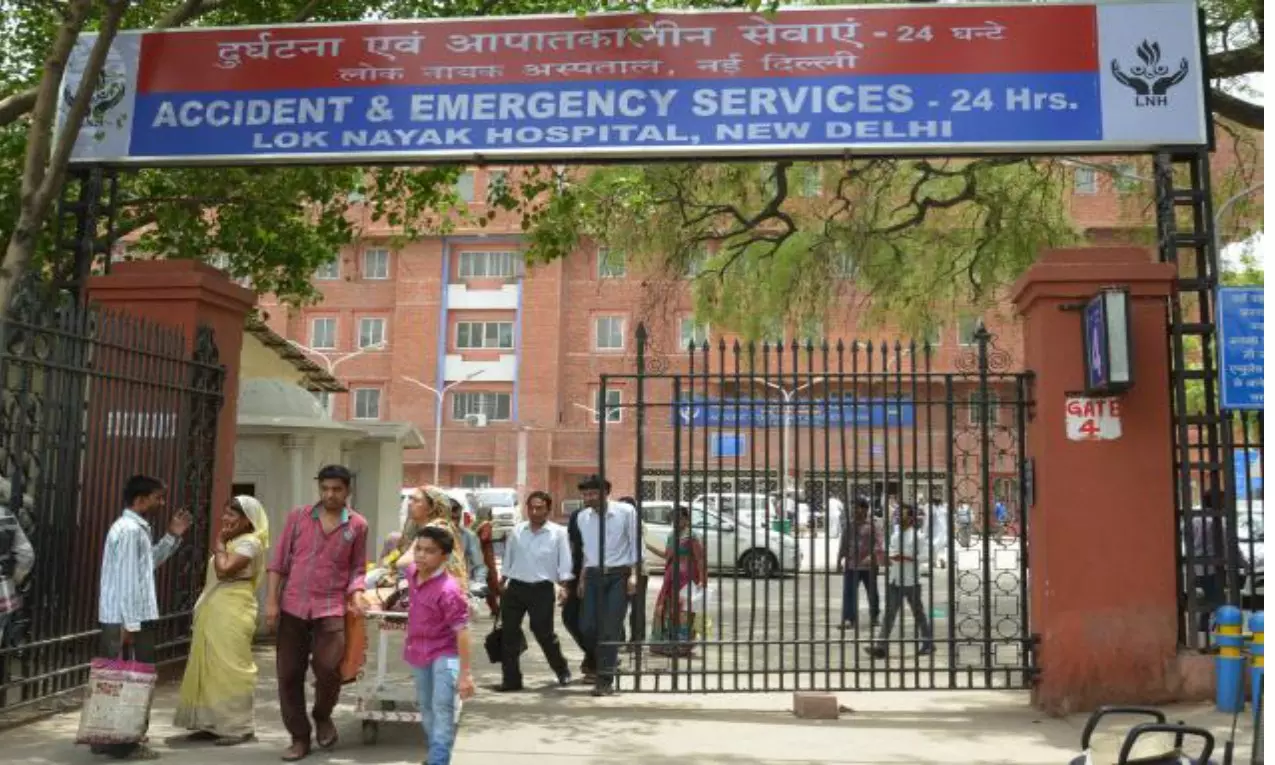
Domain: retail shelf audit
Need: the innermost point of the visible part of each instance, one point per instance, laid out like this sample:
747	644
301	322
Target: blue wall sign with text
1241	313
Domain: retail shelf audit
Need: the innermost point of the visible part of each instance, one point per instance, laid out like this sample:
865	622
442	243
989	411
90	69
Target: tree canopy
915	235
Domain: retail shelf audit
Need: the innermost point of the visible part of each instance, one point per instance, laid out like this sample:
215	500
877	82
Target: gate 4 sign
876	79
1093	419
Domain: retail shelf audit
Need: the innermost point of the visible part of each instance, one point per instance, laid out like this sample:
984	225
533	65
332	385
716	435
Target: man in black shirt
571	608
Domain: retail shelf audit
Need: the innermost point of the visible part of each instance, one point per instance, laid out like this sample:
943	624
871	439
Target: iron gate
770	448
87	398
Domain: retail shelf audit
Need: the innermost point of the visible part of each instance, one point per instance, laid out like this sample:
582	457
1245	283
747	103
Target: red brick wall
559	367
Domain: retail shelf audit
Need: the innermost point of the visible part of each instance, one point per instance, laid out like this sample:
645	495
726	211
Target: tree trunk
46	159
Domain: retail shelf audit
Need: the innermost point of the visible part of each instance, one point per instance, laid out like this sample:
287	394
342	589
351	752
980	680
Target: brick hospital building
520	351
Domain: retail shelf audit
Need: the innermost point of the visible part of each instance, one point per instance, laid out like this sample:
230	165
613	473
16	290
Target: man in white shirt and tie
612	552
537	567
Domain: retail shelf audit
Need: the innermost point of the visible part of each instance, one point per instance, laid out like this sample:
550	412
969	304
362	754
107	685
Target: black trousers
637	611
571	620
536	601
142	648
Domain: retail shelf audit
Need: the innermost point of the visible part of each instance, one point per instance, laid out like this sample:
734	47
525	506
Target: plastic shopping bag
117	710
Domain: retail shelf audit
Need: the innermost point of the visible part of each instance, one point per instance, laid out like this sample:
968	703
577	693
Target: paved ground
556	727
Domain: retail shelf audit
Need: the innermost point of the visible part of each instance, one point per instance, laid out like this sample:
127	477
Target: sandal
234	740
298	751
320	728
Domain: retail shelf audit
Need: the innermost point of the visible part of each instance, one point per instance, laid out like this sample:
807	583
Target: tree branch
306	11
189	10
1233	63
15	105
66	137
1238	110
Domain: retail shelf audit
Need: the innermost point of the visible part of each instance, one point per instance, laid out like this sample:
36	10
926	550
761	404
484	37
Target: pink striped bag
117	707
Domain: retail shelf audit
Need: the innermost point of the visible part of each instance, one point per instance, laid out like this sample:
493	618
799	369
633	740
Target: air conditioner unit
476	420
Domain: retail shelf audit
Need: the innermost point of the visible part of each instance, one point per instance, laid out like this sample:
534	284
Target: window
976	408
371	333
845	265
465	187
1126	179
692	332
475	481
695	264
812	333
324	397
610	403
376	263
1085	181
967	329
487	265
329	271
611	264
367	403
485	334
323	333
608	334
497	185
807	180
773	332
932	336
495	405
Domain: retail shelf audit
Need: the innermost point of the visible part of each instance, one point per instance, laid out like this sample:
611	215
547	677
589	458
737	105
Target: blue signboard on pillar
727	445
1108	361
1241	313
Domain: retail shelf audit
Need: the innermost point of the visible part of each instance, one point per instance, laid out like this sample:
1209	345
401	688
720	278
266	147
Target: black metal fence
772	450
87	398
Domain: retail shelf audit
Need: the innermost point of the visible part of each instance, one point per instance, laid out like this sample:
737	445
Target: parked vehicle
755	552
760	510
501	507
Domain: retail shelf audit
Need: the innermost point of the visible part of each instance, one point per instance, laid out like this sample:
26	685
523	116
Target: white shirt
903	573
23	560
128	572
622	543
533	556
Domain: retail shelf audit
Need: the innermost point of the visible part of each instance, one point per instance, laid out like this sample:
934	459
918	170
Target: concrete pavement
549	725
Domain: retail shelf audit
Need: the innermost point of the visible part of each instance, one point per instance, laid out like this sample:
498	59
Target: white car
755	552
760	510
502	505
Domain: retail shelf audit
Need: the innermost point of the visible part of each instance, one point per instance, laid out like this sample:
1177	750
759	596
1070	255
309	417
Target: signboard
1108	364
1248	474
759	413
1093	419
727	445
1241	315
810	81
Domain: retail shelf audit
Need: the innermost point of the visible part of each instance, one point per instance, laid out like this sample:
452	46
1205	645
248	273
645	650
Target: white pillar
299	482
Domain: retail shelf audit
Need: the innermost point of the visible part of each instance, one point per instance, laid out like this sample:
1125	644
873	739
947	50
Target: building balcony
481	367
462	297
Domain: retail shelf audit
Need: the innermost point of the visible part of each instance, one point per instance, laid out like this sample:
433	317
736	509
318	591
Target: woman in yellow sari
440	514
221	675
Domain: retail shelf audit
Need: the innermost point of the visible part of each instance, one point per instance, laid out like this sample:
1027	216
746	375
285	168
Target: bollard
1230	660
1257	654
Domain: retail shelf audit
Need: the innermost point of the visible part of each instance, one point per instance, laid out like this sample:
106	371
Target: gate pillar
187	294
1101	538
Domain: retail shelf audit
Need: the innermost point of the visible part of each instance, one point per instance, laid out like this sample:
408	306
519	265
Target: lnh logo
1150	80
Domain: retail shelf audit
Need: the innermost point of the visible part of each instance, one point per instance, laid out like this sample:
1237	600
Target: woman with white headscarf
221	675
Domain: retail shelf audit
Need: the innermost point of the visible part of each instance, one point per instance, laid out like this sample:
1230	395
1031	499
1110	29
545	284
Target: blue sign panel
1097	358
825	413
728	445
816	81
1241	315
1248	473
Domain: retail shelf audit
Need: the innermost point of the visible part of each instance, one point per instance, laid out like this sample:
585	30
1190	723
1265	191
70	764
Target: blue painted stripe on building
513	404
441	375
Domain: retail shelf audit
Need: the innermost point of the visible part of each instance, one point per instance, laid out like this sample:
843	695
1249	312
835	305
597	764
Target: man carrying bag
116	714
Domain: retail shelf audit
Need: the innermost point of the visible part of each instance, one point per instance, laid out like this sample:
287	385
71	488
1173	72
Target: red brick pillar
186	294
1101	537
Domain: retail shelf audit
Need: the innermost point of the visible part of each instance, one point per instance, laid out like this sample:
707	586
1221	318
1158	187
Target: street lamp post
439	394
789	419
328	358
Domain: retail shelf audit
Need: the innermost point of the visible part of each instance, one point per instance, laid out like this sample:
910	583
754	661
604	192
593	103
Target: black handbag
495	644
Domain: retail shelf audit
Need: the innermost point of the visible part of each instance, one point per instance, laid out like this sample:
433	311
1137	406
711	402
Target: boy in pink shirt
437	646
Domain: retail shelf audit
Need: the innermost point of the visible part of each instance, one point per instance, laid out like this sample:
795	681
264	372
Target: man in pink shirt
316	574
